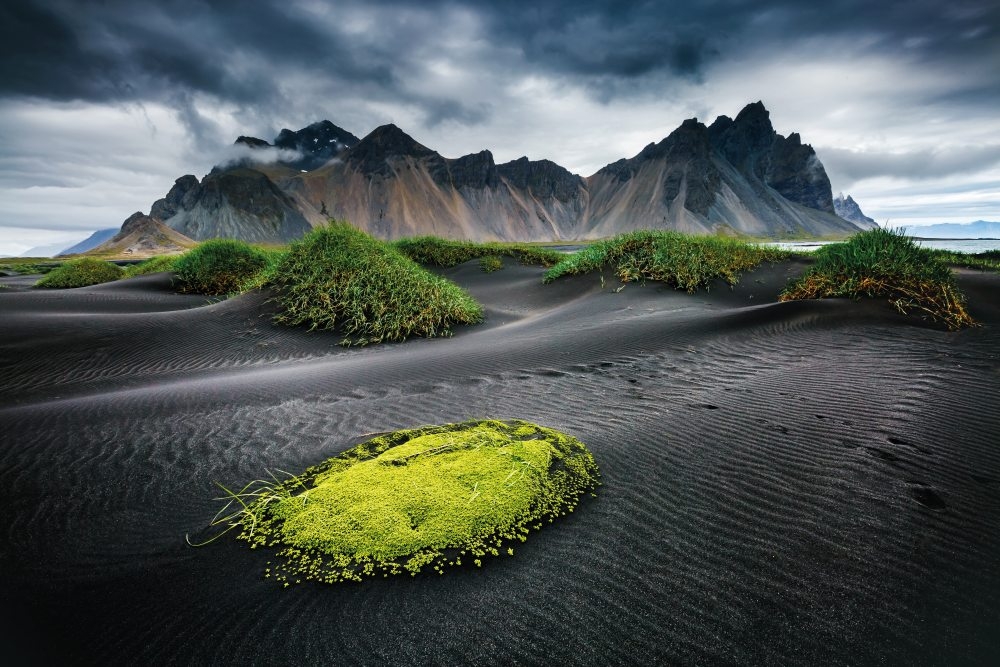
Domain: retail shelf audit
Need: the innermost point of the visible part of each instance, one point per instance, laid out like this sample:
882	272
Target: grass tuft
490	263
415	500
81	273
680	260
219	266
885	263
436	251
338	277
159	264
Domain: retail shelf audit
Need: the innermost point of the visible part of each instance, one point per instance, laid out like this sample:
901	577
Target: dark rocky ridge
237	203
542	178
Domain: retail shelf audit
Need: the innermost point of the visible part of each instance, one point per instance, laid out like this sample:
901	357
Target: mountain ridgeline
733	176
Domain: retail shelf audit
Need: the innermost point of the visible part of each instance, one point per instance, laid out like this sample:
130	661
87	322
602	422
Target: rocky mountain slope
142	236
736	175
849	210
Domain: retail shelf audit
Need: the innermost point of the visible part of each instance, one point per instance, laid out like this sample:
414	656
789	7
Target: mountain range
980	229
736	175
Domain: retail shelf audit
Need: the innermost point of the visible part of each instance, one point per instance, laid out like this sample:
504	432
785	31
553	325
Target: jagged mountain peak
391	140
318	143
754	111
252	142
849	210
372	154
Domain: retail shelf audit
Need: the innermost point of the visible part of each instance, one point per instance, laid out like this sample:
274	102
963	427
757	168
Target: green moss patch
436	251
220	266
415	500
680	260
338	277
81	273
885	263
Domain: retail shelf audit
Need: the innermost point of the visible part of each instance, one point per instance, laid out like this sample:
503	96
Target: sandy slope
794	483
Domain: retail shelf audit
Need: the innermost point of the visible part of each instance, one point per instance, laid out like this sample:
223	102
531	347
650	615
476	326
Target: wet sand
784	483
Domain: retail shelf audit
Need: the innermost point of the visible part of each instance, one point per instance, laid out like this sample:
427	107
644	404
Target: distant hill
92	241
48	250
142	236
848	209
980	229
736	175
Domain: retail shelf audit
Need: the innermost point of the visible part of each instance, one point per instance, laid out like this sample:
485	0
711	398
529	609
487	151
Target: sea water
971	246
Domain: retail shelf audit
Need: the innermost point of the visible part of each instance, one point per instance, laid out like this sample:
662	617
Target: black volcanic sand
784	483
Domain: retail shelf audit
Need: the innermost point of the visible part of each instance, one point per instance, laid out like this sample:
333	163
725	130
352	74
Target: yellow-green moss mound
420	499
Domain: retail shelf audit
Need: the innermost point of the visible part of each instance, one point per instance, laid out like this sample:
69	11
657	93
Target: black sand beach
784	483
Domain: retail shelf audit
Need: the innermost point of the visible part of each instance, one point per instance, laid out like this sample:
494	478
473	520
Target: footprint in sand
926	496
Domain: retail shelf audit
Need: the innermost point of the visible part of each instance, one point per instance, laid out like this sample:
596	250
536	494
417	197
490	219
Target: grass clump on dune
159	264
885	263
338	277
413	500
680	260
219	266
443	252
81	273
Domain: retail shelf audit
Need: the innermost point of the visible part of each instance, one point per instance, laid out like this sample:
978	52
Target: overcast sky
104	103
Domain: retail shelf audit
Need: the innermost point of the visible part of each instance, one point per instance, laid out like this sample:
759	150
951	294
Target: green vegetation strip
436	251
159	264
885	263
426	498
81	273
983	261
338	277
29	265
680	260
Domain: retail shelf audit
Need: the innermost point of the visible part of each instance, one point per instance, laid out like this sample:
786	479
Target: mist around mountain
735	176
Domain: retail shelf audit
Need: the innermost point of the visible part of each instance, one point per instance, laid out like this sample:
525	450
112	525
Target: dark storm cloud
119	50
852	166
127	50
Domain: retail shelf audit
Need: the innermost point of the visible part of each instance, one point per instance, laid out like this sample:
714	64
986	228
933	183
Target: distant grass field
443	252
885	263
29	265
338	277
680	260
80	273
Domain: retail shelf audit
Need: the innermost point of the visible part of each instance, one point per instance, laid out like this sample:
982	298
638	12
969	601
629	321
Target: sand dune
784	483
